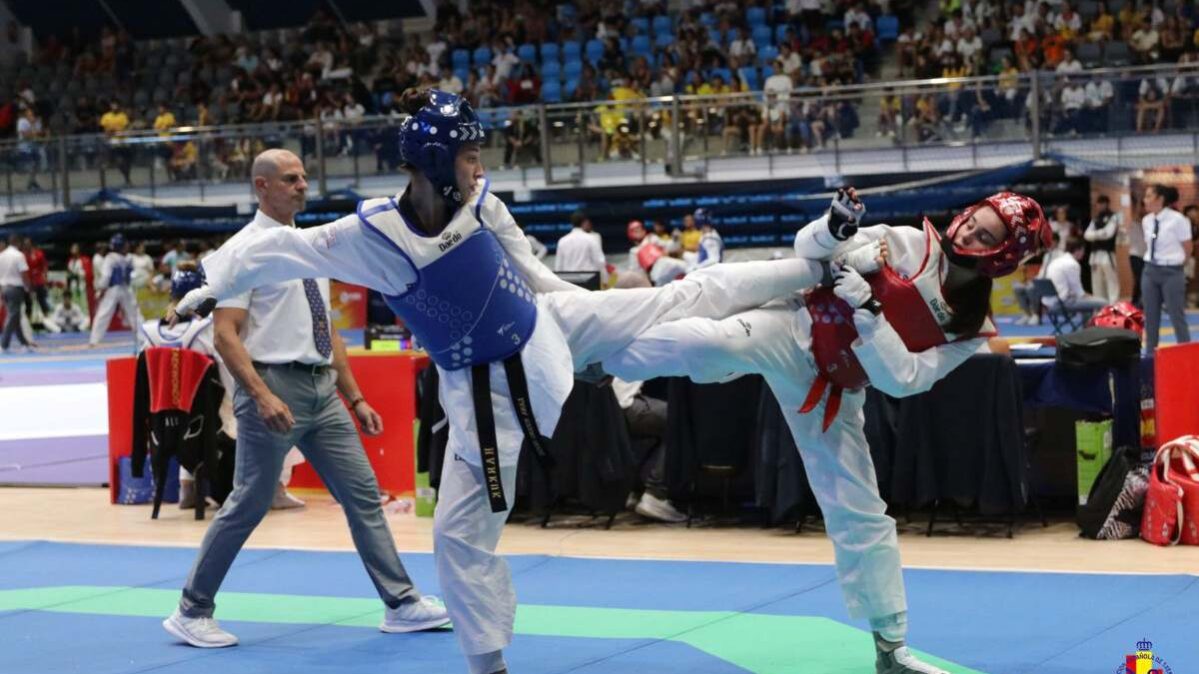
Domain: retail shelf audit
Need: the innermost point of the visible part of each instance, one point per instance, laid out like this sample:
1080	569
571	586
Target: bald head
280	183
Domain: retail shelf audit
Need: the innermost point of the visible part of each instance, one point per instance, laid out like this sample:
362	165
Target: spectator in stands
889	109
1103	26
1173	40
743	46
1065	271
30	149
522	137
982	101
182	164
970	47
1099	100
1067	23
1073	101
1069	63
1008	100
525	88
1027	50
1145	44
579	250
1151	106
114	123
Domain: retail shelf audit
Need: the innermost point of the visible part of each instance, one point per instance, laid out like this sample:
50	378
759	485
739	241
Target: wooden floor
84	515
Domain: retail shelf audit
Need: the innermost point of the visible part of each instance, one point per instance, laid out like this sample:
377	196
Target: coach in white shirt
580	249
14	282
1065	271
1167	247
289	364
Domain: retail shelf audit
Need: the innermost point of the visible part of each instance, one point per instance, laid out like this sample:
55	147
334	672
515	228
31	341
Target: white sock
487	663
893	628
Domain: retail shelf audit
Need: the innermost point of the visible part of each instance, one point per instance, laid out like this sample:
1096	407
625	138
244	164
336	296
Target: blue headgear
183	282
703	217
429	140
116	242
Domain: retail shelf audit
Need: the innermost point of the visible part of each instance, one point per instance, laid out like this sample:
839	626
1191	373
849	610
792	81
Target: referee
1167	247
289	365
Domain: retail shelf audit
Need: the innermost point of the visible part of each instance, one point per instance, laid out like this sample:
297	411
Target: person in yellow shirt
183	161
690	235
115	122
163	123
1103	27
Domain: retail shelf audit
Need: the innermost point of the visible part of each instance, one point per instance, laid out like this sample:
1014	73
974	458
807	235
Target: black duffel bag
1114	505
1089	347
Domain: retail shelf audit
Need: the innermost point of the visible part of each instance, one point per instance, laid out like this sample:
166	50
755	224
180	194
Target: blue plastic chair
571	51
572	70
641	24
549	51
887	26
750	75
714	34
550	70
768	54
551	91
662	24
762	36
708	19
594	51
460	58
570	87
527	53
780	33
756	16
482	56
834	24
641	46
664	40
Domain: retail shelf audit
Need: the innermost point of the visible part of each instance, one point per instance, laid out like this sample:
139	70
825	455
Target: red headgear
635	231
1120	315
1028	233
648	254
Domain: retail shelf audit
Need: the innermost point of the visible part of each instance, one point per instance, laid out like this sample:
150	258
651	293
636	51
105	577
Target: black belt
1165	266
310	368
518	389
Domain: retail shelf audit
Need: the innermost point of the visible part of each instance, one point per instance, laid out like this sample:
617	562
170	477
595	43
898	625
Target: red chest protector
913	314
175	376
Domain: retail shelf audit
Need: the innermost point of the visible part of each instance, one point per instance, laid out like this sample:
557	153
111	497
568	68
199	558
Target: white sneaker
426	614
198	632
283	499
658	509
631	502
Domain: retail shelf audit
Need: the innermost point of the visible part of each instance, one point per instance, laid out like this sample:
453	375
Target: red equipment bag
1172	503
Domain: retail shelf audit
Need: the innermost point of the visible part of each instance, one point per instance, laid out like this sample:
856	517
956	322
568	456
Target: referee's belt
310	368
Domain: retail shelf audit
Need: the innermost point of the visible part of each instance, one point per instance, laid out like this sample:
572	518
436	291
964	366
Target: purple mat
33	377
78	460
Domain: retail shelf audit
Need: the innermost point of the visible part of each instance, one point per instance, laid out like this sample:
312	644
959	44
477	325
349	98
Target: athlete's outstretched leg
600	324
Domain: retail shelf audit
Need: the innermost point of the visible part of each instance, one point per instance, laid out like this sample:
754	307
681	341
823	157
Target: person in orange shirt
1053	48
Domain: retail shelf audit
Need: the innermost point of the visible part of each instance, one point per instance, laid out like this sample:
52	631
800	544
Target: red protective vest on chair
175	376
1171	513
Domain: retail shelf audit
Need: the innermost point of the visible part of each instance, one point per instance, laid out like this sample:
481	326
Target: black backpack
1089	347
1114	505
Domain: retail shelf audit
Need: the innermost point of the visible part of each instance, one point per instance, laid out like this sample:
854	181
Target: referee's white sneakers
414	616
895	658
198	632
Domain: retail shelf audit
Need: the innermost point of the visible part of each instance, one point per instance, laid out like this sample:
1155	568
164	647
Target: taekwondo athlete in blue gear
505	333
711	246
115	279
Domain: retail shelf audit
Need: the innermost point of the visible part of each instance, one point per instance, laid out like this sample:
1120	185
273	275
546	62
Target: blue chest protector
122	274
710	241
469	304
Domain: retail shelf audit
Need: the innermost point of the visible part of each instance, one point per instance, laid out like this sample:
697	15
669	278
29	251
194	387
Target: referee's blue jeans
1164	284
325	433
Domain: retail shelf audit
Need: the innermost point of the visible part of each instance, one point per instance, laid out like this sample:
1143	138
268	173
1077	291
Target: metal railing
679	136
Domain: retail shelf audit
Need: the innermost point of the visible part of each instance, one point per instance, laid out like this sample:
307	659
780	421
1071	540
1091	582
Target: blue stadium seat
780	33
641	46
723	72
641	23
768	54
460	58
571	51
664	40
750	75
762	36
571	70
482	56
714	34
551	91
549	51
594	51
463	74
756	16
708	19
767	71
550	70
570	87
834	24
887	26
527	53
662	24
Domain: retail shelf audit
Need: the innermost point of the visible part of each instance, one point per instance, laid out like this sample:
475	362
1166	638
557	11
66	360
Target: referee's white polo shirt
279	326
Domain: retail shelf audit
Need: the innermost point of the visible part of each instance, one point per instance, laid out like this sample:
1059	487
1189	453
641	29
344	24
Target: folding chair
1060	315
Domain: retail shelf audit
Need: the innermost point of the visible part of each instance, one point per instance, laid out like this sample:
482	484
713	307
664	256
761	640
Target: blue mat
97	609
